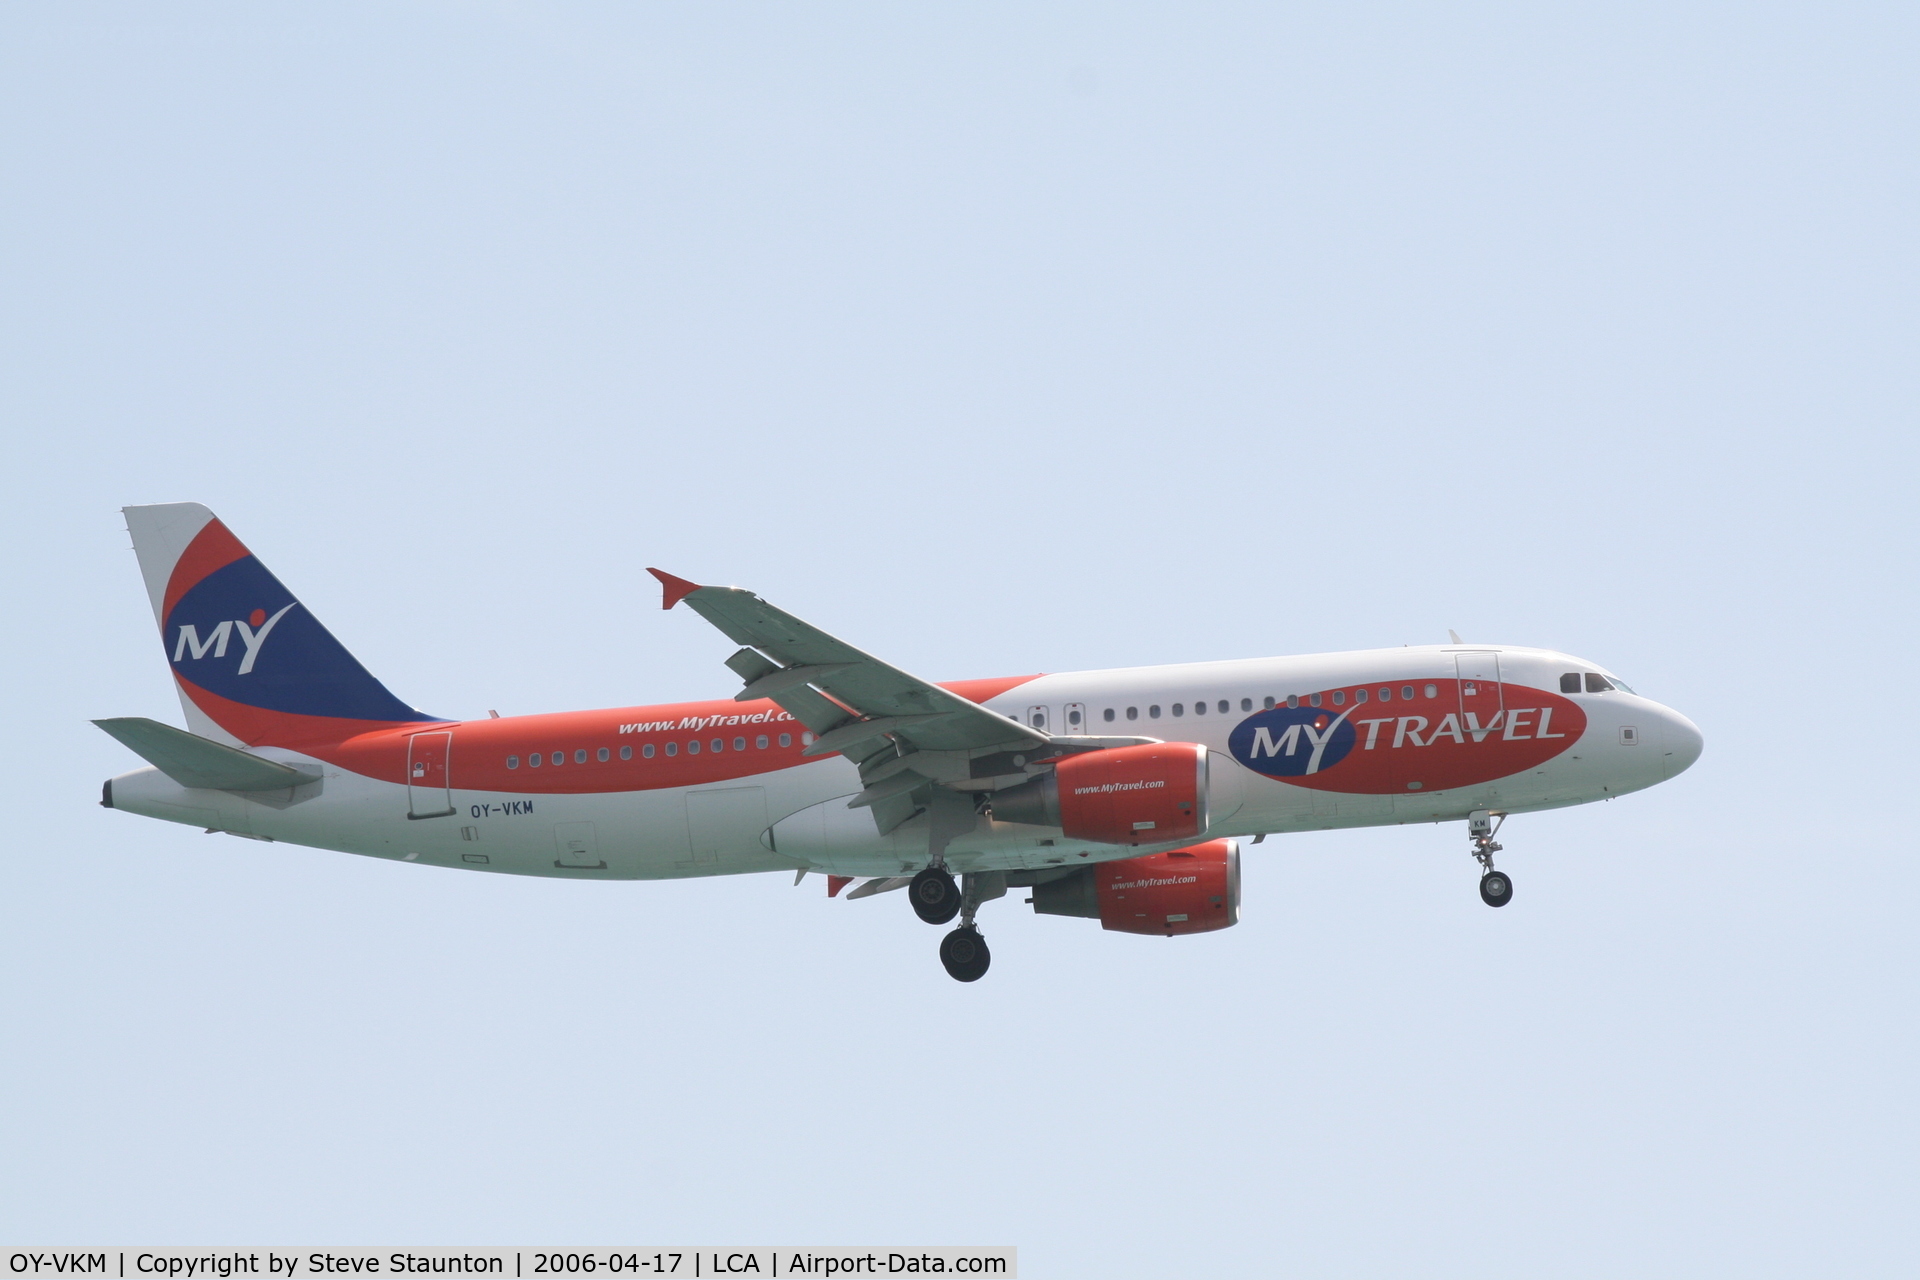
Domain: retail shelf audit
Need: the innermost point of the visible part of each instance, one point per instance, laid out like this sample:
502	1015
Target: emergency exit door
429	789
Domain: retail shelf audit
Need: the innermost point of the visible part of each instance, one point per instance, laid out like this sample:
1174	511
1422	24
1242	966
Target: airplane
1123	795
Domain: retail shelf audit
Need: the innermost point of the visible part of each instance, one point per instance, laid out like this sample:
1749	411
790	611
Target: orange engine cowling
1147	794
1194	890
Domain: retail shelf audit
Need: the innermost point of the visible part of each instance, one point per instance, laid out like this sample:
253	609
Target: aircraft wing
853	702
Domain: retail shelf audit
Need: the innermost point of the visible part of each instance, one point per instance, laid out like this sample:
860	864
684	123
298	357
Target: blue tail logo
239	634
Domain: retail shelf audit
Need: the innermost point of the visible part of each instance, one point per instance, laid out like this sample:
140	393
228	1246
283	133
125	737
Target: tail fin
252	664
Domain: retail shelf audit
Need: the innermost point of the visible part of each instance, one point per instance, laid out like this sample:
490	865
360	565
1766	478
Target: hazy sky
995	340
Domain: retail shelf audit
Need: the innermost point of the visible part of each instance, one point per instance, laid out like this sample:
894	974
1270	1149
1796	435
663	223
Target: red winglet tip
674	590
836	883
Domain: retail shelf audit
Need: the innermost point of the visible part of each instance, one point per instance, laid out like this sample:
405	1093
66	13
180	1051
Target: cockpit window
1597	683
1570	682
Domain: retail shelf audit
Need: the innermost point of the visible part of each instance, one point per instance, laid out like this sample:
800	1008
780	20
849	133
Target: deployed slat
880	884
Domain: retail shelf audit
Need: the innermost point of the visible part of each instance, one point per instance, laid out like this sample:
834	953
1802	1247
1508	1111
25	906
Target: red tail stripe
214	547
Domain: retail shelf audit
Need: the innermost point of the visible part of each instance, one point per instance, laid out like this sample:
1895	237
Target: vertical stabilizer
253	666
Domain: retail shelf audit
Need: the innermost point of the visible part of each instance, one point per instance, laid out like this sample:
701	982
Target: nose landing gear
1496	887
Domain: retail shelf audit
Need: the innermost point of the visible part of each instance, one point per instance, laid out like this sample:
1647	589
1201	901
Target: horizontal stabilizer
193	761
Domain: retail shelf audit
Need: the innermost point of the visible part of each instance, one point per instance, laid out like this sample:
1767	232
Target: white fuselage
767	811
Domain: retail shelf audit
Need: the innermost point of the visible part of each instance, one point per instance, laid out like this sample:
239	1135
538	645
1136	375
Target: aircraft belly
669	833
152	794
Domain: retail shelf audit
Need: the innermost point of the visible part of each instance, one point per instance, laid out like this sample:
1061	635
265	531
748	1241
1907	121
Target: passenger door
1480	691
429	788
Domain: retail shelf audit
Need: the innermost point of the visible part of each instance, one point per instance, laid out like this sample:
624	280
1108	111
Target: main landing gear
965	954
1496	887
937	899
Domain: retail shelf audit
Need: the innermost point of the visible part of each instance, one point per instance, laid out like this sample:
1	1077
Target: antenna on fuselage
1455	636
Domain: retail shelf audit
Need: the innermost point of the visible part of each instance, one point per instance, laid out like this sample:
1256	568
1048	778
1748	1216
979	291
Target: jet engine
1194	890
1147	794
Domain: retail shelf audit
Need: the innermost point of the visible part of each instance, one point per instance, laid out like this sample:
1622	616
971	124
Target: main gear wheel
935	897
964	953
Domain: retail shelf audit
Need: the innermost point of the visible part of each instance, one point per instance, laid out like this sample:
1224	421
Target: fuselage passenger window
535	760
693	748
786	739
1359	695
1267	702
647	751
1107	715
673	748
1153	712
1339	697
1386	693
626	753
1133	713
760	743
602	754
1433	691
513	762
1179	708
1406	691
559	757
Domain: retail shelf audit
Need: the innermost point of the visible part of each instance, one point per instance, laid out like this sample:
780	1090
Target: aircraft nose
1684	743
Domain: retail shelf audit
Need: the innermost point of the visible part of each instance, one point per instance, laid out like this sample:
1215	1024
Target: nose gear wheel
1496	887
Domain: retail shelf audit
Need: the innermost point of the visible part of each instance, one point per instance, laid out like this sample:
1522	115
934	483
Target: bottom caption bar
762	1261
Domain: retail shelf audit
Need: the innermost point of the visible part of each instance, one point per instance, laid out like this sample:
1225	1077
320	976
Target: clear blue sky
996	339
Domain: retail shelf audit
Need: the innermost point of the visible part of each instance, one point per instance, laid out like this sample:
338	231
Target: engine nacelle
1124	795
1194	890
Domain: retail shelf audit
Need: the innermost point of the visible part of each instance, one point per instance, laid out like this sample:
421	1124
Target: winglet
674	590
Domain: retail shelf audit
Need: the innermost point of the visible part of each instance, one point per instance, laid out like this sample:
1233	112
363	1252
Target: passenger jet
1121	796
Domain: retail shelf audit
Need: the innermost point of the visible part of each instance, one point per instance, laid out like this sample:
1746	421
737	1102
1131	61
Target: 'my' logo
252	632
1292	742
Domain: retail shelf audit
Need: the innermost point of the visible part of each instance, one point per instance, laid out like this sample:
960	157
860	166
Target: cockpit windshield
1593	682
